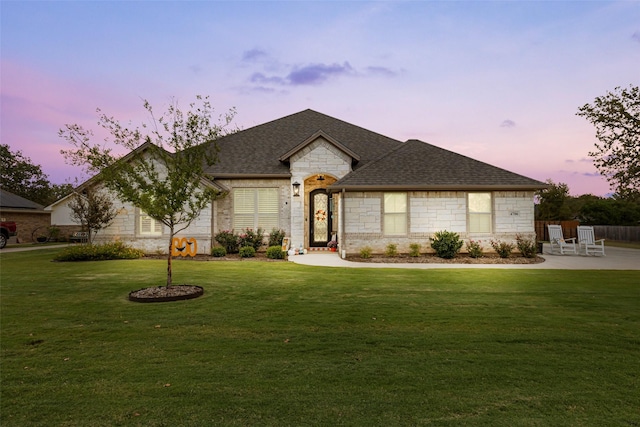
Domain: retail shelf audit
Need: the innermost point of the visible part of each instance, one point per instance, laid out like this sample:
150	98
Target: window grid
395	214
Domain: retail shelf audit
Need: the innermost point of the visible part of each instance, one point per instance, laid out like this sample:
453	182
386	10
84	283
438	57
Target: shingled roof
257	151
9	200
416	165
379	162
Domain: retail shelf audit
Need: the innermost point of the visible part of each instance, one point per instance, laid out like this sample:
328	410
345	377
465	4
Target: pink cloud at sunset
497	81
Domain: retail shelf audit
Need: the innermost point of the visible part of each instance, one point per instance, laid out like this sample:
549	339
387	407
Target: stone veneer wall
429	212
223	208
319	157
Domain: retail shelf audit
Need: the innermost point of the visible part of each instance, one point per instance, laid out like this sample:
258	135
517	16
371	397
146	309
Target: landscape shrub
447	244
365	253
414	249
503	249
475	249
218	251
102	252
275	237
229	241
247	252
392	250
251	238
527	247
275	252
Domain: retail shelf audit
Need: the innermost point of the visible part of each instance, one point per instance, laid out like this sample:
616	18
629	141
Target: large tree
552	202
20	176
164	172
616	117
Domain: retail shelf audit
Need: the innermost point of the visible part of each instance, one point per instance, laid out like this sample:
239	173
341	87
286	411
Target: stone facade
429	212
318	158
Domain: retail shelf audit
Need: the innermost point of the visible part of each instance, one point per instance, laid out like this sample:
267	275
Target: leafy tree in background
20	176
169	186
610	212
616	117
93	210
552	202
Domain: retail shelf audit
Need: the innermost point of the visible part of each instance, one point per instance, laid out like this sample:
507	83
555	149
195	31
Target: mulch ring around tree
166	293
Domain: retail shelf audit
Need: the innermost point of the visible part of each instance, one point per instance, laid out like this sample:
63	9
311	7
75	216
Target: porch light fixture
320	177
296	189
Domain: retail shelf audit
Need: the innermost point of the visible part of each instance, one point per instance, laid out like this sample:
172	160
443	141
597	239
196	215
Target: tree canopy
164	173
20	176
616	117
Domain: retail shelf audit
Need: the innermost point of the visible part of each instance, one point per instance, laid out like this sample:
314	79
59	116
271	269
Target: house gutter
437	187
343	252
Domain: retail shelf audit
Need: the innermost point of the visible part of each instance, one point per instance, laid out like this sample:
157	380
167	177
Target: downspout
343	251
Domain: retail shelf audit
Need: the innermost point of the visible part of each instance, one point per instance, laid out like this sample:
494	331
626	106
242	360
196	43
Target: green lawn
284	344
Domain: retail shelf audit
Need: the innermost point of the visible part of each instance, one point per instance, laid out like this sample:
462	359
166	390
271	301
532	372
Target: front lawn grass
284	344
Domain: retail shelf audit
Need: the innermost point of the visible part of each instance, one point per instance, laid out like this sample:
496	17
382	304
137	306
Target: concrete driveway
615	259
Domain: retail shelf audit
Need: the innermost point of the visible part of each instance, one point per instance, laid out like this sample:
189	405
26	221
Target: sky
500	82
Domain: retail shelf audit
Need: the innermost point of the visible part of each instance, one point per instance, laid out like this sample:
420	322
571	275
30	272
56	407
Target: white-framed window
255	208
395	214
480	212
148	226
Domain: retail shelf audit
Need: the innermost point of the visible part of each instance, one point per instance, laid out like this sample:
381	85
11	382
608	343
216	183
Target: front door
319	218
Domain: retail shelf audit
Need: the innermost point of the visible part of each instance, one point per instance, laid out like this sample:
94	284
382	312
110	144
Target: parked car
7	229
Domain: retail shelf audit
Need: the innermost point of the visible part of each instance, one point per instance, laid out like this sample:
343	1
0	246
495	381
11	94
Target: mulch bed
460	259
166	294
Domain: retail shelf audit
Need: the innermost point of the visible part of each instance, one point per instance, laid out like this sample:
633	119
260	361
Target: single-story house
319	178
30	217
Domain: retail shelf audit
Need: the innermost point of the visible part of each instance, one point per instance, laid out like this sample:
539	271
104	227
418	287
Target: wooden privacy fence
617	232
607	232
569	229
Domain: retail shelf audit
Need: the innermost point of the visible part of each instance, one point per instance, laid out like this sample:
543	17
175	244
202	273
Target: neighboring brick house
31	219
318	178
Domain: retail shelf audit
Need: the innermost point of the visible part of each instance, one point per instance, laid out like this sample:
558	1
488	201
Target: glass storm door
319	219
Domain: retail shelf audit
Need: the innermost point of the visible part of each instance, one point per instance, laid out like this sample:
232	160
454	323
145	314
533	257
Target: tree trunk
169	258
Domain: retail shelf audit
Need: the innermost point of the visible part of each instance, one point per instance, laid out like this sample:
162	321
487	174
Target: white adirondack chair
587	239
557	240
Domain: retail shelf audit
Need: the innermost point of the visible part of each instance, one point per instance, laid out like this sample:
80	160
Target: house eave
383	187
218	176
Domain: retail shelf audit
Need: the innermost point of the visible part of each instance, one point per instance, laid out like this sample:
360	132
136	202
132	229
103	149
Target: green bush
275	252
228	240
503	249
365	253
218	251
447	244
251	238
527	247
475	249
392	250
247	252
275	237
414	249
102	252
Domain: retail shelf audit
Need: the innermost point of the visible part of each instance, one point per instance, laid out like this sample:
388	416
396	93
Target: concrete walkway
616	259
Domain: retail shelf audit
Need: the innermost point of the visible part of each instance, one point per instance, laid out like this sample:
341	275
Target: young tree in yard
616	117
164	173
93	211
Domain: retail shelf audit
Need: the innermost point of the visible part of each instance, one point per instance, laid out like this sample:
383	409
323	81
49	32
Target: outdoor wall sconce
296	189
320	177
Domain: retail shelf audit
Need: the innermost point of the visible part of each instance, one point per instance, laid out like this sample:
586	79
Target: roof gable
320	134
258	151
416	165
